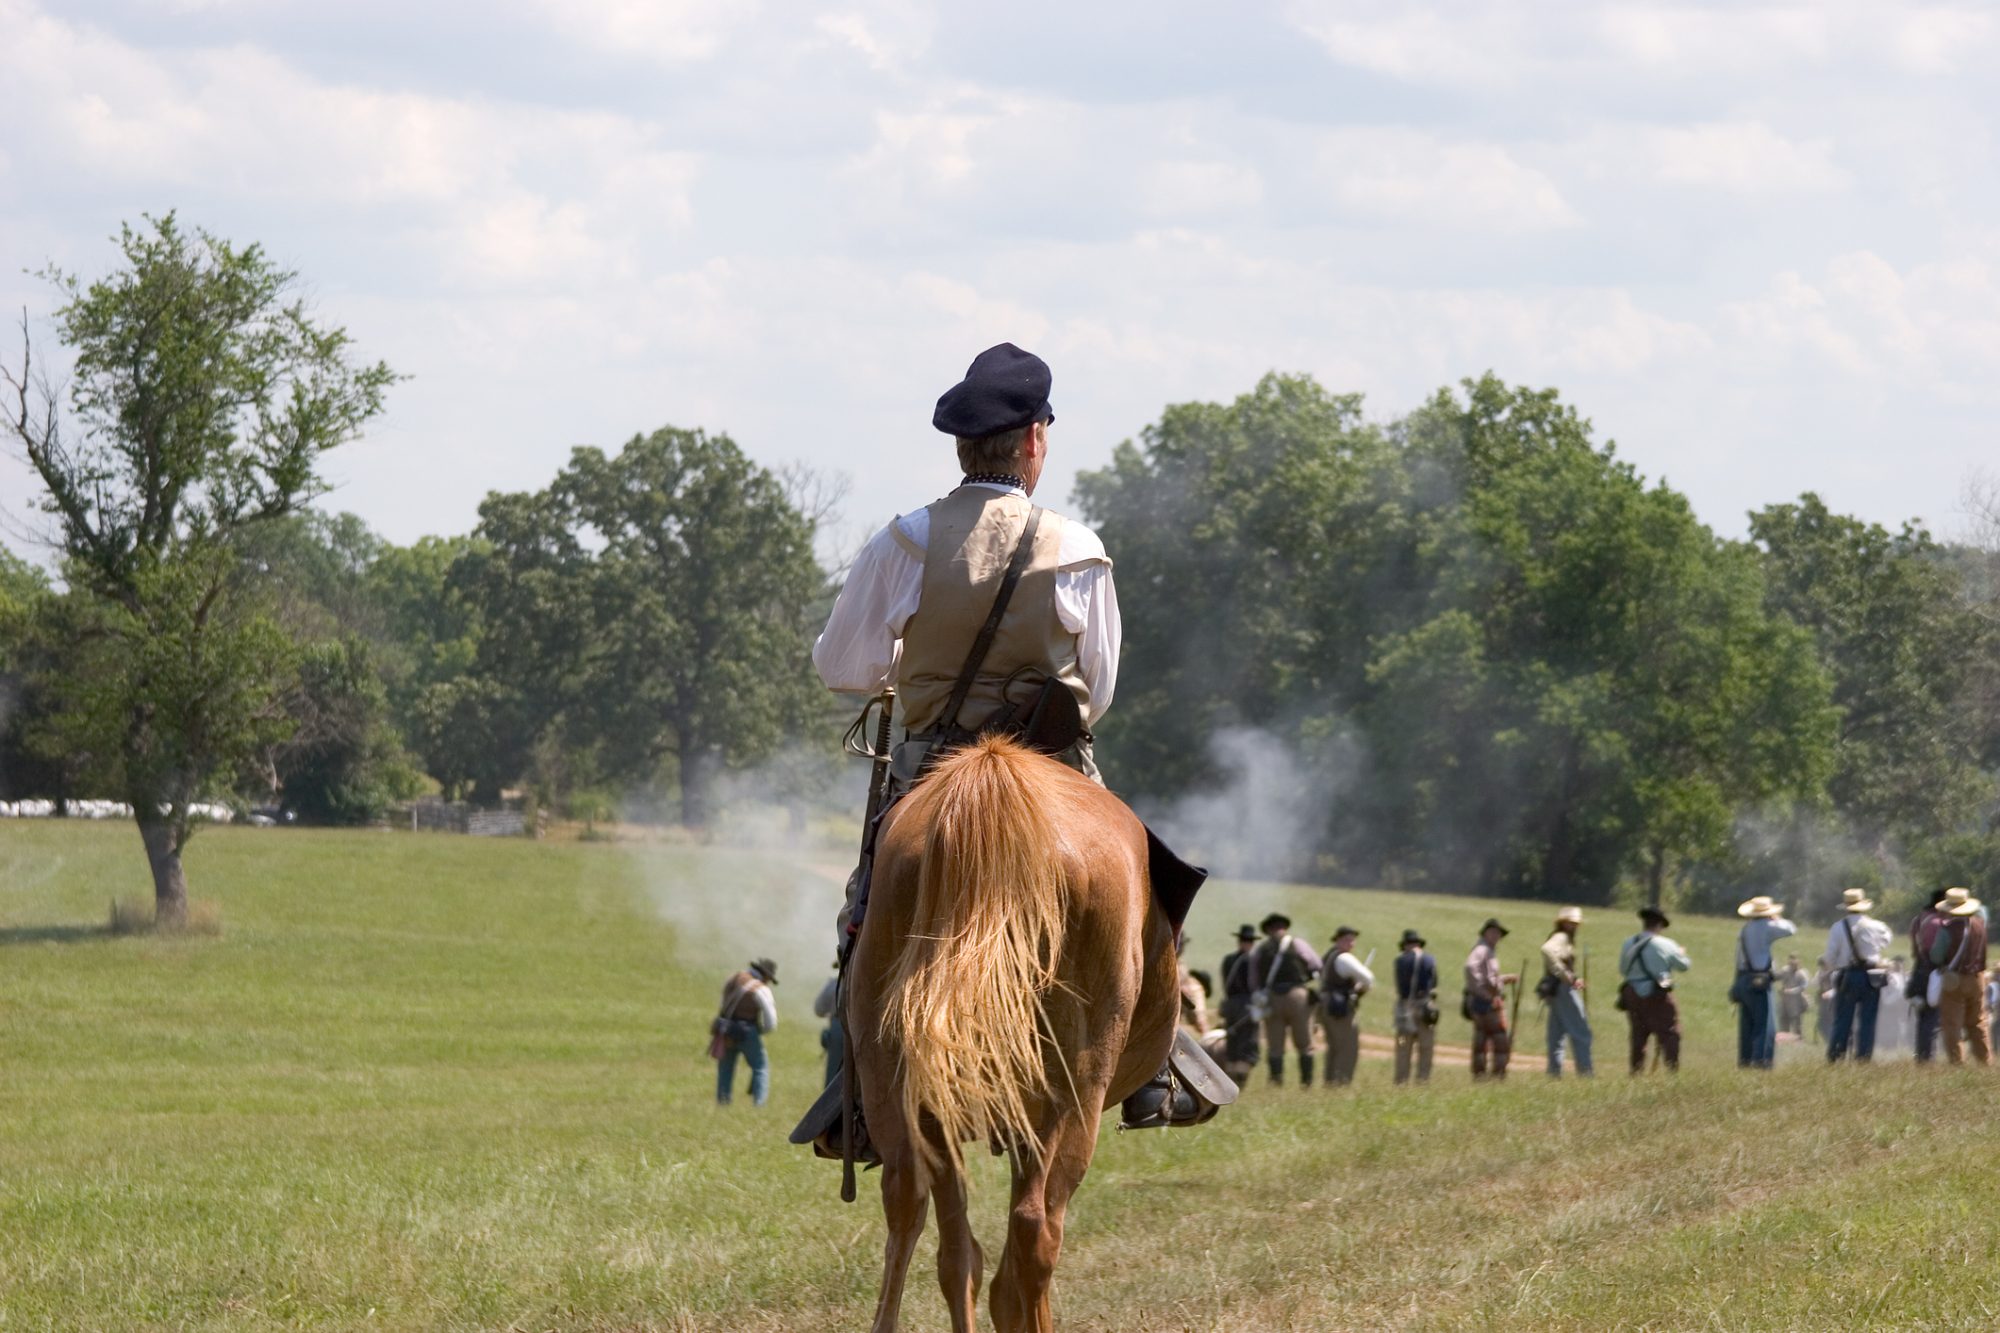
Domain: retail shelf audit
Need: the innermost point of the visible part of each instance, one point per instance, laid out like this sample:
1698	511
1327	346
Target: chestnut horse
1017	981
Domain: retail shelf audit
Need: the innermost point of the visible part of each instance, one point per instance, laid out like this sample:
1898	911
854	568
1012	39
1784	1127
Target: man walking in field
1284	966
1755	990
1343	982
1561	989
1646	965
1239	1017
1486	1002
747	1013
1962	936
1857	948
1416	1015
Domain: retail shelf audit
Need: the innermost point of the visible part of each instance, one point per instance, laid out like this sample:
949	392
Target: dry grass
135	916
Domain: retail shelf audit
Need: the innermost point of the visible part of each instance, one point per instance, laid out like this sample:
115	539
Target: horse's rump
1008	918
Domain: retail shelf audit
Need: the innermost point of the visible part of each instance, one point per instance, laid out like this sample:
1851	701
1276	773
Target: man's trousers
1567	1024
1856	1005
1343	1047
1414	1038
1491	1043
1241	1028
745	1041
1928	1023
1961	1019
1290	1016
1756	1033
1656	1016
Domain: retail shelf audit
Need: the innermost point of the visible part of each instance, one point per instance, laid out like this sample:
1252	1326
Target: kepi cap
1004	389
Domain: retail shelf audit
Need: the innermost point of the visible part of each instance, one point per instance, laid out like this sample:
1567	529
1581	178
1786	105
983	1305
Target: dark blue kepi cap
1005	388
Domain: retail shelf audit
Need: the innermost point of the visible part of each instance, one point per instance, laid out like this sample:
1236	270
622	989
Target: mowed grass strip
426	1082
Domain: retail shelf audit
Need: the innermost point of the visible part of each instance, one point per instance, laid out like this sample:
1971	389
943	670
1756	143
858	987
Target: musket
877	755
1514	1023
1586	983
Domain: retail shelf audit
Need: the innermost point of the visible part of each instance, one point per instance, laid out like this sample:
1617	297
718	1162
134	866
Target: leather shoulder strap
981	645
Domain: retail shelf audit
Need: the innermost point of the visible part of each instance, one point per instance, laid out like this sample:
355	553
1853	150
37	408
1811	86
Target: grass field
426	1082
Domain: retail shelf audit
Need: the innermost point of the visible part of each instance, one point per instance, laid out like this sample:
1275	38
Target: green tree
1554	676
649	609
201	398
1905	650
1257	545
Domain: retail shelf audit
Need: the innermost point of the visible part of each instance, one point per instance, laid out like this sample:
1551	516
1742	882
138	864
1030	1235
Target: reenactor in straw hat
1857	952
1755	990
1284	966
1239	1018
1962	945
1343	981
1561	989
1646	967
1416	1007
1486	1002
747	1013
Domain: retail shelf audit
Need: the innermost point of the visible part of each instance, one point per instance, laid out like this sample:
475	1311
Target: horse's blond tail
966	996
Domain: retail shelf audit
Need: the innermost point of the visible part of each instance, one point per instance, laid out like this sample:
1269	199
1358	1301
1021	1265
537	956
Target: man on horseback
984	612
920	592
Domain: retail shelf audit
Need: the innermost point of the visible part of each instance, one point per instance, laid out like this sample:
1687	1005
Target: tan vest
973	534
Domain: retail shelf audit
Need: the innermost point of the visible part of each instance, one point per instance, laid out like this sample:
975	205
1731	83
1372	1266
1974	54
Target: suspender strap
984	643
1854	958
734	996
1639	957
1277	961
1964	938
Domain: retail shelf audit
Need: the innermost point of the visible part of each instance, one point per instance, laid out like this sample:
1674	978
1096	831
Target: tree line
1514	665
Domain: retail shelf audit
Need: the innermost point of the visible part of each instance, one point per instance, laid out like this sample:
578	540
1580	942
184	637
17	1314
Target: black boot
1157	1105
1277	1064
1305	1071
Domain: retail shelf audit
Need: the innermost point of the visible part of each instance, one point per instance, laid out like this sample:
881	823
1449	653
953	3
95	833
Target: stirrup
1188	1090
821	1128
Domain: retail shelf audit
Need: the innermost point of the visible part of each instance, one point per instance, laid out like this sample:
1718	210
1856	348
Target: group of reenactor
1276	990
1867	1000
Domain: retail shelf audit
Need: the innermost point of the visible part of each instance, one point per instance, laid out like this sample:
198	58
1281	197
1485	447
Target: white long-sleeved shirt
1871	938
1347	965
767	1009
858	650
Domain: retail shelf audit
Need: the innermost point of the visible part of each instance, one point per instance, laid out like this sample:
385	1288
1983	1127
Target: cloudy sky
1757	245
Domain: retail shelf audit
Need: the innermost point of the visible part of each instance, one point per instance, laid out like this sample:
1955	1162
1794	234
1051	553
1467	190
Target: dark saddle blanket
1174	880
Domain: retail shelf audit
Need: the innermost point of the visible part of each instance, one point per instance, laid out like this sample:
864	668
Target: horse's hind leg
904	1203
1035	1225
961	1264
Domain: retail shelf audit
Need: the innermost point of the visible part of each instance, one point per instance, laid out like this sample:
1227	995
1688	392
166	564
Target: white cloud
1410	177
1934	329
1701	39
671	32
1749	157
1471	44
1720	229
